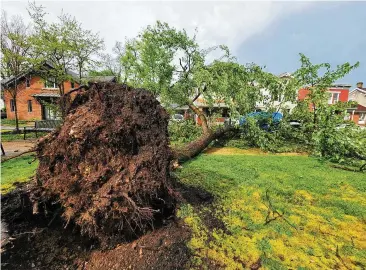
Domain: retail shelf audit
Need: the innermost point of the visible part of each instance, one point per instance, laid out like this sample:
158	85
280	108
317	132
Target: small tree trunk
62	100
16	115
16	106
80	68
315	118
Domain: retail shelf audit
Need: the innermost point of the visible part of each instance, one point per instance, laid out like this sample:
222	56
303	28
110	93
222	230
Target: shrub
185	131
277	138
345	145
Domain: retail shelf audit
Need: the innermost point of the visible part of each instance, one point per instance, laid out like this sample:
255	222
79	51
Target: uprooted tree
108	165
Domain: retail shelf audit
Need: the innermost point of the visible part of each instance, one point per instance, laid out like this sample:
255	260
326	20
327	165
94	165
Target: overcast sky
267	33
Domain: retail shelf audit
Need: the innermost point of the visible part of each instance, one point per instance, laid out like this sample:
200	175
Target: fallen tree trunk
194	148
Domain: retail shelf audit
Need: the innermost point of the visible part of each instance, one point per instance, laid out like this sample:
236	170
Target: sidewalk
7	128
14	148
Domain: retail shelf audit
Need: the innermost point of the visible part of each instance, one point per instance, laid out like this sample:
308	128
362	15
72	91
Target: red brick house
338	92
32	91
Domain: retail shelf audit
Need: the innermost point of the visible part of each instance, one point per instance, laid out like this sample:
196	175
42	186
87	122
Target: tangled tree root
108	165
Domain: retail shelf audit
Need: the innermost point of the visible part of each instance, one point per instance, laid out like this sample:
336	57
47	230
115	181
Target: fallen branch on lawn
340	258
362	168
275	213
26	152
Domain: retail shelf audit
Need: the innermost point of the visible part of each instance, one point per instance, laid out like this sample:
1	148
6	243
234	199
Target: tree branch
26	152
180	63
77	89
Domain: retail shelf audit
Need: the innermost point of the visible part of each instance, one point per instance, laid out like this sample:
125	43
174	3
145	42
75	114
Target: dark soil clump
35	243
108	165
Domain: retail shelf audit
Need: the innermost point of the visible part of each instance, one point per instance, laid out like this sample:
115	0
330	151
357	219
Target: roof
178	107
46	95
362	90
214	105
285	75
101	79
10	79
341	85
359	108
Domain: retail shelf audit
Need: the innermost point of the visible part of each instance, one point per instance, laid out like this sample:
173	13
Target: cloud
229	23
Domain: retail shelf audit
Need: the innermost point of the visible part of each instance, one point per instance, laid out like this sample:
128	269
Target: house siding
25	94
355	115
359	97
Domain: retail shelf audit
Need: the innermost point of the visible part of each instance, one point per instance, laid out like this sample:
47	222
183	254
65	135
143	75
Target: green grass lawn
22	123
16	170
282	212
7	136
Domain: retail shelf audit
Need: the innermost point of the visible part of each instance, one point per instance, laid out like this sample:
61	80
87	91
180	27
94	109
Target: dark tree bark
194	148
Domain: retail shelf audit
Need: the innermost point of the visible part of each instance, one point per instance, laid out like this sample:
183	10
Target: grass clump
8	136
16	170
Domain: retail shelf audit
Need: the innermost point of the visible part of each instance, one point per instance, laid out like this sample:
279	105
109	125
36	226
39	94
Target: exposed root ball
108	165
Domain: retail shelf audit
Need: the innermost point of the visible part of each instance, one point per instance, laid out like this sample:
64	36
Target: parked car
341	126
276	117
294	123
353	127
231	121
177	117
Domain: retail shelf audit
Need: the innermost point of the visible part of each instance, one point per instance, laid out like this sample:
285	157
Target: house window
30	108
50	83
333	98
12	105
27	82
362	117
72	85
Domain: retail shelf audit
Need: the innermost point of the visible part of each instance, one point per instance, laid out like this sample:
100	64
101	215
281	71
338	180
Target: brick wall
343	93
25	94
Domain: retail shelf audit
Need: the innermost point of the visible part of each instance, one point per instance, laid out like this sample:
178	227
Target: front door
49	113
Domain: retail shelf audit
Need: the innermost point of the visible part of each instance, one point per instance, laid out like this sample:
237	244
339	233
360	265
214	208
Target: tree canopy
64	44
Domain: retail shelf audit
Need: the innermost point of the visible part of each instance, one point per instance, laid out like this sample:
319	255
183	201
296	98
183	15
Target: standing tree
62	47
86	46
54	49
317	79
15	50
112	64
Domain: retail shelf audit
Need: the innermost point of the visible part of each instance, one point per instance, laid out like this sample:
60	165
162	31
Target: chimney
359	84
